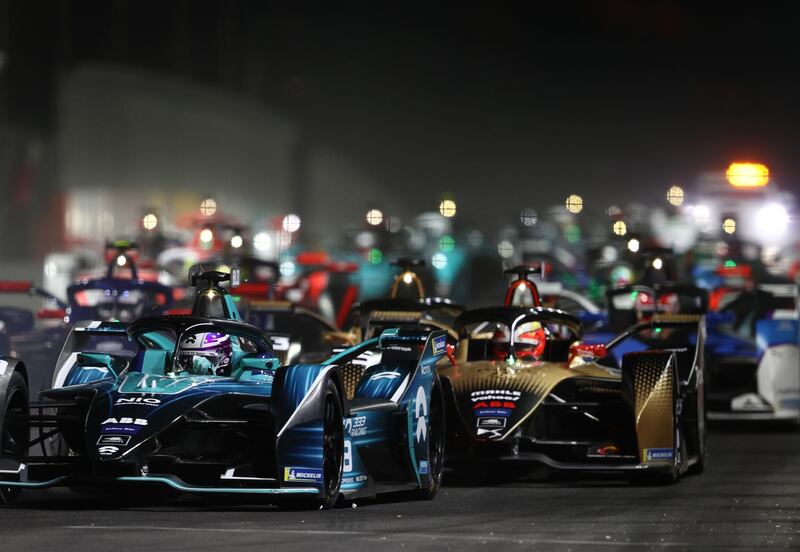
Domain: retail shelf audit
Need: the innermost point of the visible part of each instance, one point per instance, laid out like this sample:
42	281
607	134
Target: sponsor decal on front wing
302	474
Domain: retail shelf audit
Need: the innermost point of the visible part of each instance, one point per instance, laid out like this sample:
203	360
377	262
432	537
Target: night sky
623	97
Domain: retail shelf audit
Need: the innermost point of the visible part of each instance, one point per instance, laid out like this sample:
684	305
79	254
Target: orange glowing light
748	175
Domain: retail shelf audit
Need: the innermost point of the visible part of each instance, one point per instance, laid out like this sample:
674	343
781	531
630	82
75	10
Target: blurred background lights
287	268
447	208
573	233
505	248
675	196
121	260
439	261
150	221
633	245
772	220
374	217
620	228
375	256
702	216
614	211
658	264
290	223
609	254
729	226
206	235
365	240
747	175
237	241
475	238
574	204
447	243
262	241
208	207
528	217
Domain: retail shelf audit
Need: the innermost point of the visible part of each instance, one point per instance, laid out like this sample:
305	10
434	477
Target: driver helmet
206	353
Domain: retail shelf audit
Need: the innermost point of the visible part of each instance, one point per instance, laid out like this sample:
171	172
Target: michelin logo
302	474
655	454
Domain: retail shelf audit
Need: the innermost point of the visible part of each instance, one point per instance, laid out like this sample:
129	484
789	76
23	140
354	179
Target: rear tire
14	437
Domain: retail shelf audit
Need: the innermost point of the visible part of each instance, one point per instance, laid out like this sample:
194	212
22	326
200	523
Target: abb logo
494	404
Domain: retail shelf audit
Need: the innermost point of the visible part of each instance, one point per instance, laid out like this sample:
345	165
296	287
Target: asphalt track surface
748	499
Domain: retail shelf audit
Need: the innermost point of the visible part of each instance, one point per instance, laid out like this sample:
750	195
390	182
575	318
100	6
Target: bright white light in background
439	261
772	220
658	264
447	208
374	217
208	207
237	241
528	216
675	196
365	240
633	245
505	248
770	254
262	241
609	254
574	204
291	223
702	216
287	268
206	235
620	228
407	278
150	221
729	226
121	260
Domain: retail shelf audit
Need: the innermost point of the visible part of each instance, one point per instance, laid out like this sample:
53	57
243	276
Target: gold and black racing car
521	386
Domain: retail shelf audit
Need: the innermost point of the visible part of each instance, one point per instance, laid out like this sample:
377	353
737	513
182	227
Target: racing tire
699	465
437	437
332	447
13	440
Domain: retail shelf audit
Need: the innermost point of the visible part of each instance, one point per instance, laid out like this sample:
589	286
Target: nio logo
130	421
421	414
147	401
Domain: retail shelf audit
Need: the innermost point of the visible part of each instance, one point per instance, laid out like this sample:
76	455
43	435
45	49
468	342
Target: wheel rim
333	446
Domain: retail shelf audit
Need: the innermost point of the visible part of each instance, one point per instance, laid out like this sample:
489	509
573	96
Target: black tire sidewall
16	384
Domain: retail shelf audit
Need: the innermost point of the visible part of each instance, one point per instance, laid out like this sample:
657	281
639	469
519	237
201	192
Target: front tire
436	443
332	447
14	437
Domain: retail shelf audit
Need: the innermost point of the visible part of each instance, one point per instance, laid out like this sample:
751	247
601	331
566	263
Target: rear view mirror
592	351
260	364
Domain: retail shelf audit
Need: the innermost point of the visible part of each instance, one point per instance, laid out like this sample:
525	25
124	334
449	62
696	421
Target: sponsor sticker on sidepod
302	474
439	344
654	454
